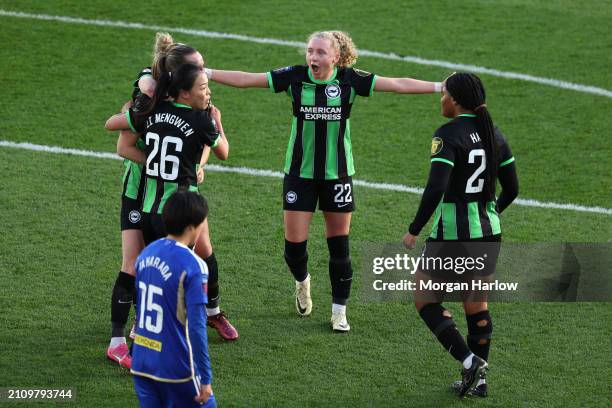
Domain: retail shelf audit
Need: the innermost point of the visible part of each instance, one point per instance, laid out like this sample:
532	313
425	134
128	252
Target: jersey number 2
155	168
154	319
469	186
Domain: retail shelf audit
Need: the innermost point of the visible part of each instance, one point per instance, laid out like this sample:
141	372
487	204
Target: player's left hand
204	394
410	240
201	175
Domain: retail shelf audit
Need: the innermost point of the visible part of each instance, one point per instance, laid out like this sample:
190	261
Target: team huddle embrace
169	271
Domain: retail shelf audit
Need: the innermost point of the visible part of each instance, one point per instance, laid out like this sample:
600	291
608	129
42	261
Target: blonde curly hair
342	43
168	55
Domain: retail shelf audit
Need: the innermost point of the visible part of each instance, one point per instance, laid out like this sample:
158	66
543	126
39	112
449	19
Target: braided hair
467	90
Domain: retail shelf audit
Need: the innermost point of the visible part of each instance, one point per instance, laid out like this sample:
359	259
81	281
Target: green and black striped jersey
174	137
464	212
132	176
143	73
320	141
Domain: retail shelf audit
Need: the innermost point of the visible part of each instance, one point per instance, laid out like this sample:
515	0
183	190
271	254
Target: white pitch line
277	174
366	53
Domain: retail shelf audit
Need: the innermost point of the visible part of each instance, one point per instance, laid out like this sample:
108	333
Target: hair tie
484	105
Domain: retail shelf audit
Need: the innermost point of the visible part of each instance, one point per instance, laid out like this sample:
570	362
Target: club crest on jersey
283	69
134	216
332	91
436	145
291	197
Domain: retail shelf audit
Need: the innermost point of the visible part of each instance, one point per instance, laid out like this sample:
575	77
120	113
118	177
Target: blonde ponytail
168	56
162	42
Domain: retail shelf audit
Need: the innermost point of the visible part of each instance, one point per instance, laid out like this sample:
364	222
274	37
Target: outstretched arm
406	85
238	79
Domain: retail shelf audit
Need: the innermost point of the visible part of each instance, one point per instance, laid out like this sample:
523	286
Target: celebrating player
168	57
319	160
171	365
468	155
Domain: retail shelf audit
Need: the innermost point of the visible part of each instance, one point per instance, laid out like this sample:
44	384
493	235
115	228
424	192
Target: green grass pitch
60	245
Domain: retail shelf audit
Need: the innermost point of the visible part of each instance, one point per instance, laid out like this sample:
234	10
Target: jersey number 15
159	167
151	313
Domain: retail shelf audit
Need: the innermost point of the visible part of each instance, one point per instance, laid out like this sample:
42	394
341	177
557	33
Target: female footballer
319	160
468	155
167	58
171	364
175	132
167	55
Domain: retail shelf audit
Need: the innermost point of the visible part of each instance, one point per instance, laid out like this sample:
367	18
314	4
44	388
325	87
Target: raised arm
406	85
146	84
238	79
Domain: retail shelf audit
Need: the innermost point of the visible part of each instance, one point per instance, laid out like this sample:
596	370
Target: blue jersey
170	279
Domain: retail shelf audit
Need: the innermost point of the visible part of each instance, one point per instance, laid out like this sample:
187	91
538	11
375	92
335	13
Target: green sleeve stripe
439	159
270	84
127	115
214	145
505	163
373	85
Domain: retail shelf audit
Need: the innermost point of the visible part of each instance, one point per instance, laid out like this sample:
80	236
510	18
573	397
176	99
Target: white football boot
303	301
339	323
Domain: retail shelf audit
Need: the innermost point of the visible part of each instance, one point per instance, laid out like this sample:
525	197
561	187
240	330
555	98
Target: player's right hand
200	175
215	113
204	394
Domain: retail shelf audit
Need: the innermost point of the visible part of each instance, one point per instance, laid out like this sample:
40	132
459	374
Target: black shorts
152	227
300	194
458	263
130	214
484	251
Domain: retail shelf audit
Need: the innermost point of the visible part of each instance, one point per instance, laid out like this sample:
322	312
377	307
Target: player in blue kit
170	359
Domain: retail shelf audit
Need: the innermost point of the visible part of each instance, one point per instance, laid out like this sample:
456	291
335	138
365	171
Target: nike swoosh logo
121	301
343	205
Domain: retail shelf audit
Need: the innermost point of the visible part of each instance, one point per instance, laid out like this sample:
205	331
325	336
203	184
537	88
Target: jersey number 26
160	167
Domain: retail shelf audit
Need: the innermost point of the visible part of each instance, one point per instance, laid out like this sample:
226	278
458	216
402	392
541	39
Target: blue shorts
157	394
